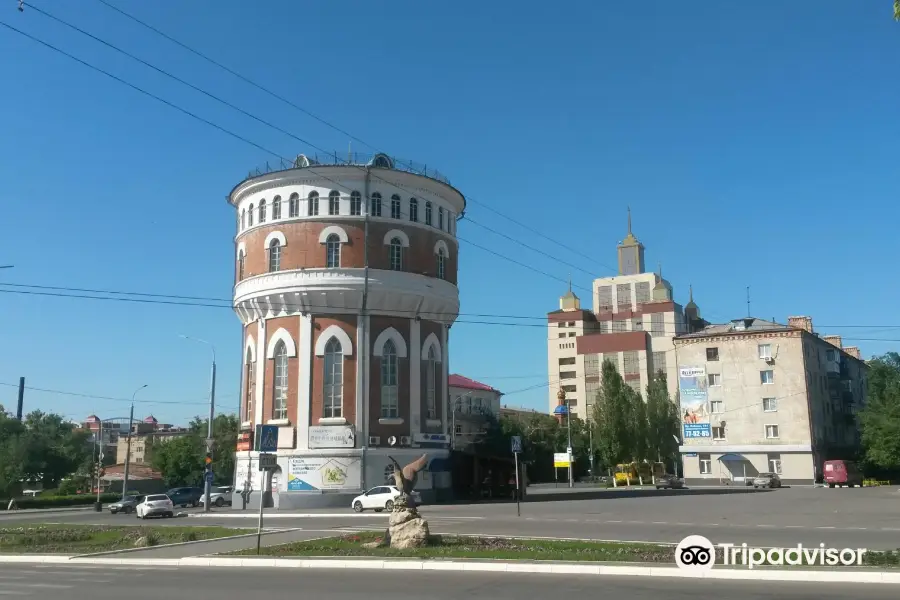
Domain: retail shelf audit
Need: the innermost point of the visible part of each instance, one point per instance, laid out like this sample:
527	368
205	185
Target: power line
98	397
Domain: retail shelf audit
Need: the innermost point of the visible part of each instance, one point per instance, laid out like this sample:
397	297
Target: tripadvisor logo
697	553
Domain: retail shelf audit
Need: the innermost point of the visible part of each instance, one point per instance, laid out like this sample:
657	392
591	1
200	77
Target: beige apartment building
758	396
633	322
142	442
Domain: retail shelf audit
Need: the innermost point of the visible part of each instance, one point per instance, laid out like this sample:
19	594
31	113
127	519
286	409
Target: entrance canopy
732	457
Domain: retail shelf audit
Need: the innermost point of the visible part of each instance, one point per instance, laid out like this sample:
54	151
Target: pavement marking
14	593
826	527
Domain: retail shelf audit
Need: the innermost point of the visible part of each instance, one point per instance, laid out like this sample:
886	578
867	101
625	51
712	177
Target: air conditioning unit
405	440
374	440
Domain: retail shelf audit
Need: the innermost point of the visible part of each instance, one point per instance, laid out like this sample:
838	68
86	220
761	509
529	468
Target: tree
881	417
662	420
12	455
611	413
55	448
180	460
897	10
639	425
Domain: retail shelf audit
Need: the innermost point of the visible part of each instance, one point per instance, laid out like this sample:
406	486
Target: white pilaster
362	359
415	376
260	371
445	377
367	389
304	381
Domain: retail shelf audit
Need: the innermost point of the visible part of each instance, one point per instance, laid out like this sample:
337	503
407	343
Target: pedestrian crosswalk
55	581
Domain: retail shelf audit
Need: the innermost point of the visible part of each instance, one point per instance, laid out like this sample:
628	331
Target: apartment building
633	322
759	396
471	404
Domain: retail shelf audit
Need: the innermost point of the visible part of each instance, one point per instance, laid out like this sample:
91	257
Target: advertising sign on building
324	473
694	402
332	437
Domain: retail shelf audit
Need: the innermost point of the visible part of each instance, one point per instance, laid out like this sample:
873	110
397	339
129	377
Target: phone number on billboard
696	434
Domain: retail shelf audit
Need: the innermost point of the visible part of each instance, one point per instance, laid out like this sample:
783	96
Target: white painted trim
330	332
334	229
275	235
281	335
360	365
279	422
390	421
445	379
760	448
242	248
415	377
432	340
251	345
389	334
332	421
304	364
441	244
260	372
396	233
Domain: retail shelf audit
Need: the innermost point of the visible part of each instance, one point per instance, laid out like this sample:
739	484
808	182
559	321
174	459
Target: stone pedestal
406	528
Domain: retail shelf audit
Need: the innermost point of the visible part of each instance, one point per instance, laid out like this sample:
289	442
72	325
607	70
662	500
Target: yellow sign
560	459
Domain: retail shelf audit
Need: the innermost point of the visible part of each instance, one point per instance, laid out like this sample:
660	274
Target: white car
155	505
380	498
218	496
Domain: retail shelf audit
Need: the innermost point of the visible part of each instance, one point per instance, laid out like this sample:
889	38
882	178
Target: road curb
175	544
382	515
480	566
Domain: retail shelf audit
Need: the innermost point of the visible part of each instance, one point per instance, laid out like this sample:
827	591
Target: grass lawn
83	539
455	547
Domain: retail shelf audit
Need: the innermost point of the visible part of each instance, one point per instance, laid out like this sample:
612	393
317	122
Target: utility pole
561	396
21	399
128	442
98	506
207	472
591	438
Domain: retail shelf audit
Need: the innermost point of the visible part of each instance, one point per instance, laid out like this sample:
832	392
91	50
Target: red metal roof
470	384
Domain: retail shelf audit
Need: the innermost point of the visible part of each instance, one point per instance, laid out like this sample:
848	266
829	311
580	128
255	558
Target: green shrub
59	501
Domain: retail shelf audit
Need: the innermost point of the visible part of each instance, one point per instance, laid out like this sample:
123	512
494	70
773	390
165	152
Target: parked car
125	505
842	472
155	505
218	496
669	482
380	498
767	480
184	496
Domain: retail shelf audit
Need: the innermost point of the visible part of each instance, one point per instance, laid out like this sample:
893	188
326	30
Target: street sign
517	444
561	459
209	477
267	461
266	438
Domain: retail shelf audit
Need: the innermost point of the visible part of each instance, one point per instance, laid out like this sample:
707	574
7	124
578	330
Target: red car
842	472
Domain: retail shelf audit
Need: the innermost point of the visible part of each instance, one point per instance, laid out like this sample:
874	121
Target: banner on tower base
694	402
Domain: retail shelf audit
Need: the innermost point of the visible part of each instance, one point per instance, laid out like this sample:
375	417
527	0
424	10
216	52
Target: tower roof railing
355	159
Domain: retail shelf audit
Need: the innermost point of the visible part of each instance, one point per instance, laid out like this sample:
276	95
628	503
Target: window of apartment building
375	209
774	461
714	379
718	433
771	432
567	361
567	374
355	203
604	326
604	297
571	323
716	406
705	464
657	324
612	357
334	202
765	351
561	324
712	354
413	210
591	363
618	326
623	295
767	377
573	334
637	325
770	404
659	362
280	391
830	355
570	388
631	362
458	429
642	292
562	334
395	206
567	346
590	390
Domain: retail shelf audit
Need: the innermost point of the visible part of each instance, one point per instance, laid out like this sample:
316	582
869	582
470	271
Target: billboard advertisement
694	402
314	473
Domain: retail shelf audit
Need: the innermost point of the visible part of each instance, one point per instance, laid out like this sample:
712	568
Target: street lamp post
209	428
562	398
128	442
98	506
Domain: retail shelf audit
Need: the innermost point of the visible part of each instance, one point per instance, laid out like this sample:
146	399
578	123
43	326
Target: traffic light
208	459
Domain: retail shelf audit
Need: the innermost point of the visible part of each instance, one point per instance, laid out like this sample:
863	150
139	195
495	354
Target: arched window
440	217
428	213
413	210
390	393
334	379
276	208
395	207
396	254
274	256
355	204
375	210
294	206
250	217
431	379
333	251
244	218
280	391
334	202
313	204
241	265
249	381
262	211
441	264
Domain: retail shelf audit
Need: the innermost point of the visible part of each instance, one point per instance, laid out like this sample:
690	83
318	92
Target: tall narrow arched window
244	218
334	202
294	206
276	208
375	209
441	264
250	217
390	392
280	389
262	211
333	251
395	207
313	206
428	213
396	254
250	389
440	217
274	256
241	262
431	379
413	210
355	204
334	379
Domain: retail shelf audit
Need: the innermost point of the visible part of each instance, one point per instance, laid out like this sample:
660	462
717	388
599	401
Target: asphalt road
76	582
859	518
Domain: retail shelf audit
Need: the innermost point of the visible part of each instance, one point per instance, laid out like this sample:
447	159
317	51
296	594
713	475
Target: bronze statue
406	478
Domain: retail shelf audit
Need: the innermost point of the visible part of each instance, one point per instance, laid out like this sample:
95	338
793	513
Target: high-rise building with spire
631	323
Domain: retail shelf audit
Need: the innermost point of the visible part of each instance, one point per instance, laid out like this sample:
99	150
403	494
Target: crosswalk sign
517	444
266	438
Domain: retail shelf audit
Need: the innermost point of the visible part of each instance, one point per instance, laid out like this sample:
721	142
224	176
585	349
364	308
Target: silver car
125	505
767	480
218	496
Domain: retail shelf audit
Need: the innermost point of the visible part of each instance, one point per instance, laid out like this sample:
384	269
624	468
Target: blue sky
756	144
